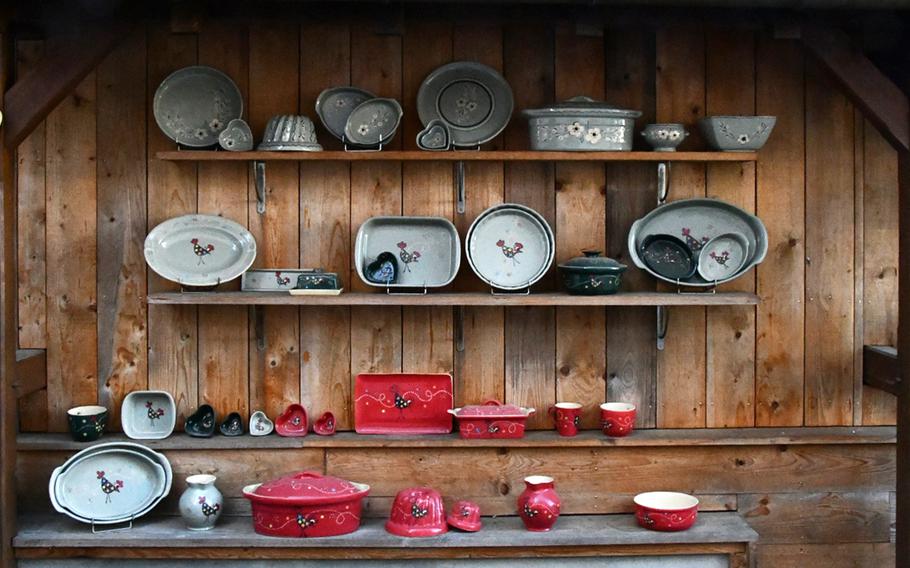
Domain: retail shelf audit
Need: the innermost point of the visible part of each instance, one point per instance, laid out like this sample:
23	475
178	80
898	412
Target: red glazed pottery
566	417
292	422
325	425
417	512
617	418
465	515
306	504
492	419
665	510
403	403
538	505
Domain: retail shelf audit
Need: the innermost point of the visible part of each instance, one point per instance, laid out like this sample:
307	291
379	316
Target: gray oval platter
194	104
473	100
373	122
335	105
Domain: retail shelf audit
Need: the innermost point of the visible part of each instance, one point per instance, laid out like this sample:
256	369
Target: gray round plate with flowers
373	122
194	104
473	100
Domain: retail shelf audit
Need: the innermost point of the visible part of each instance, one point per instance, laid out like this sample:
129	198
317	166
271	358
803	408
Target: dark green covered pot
592	274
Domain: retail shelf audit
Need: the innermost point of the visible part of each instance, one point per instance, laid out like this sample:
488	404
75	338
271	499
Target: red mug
617	418
566	416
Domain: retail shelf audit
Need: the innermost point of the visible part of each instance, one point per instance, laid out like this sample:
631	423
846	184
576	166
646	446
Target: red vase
538	505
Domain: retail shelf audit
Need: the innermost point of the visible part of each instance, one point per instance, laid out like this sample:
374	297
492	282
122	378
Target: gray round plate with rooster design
148	415
106	486
200	250
510	246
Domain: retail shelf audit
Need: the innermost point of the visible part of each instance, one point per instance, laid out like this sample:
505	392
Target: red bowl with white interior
666	510
491	419
306	504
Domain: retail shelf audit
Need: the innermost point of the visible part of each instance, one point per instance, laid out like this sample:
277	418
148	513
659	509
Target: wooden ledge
42	536
536	439
467	156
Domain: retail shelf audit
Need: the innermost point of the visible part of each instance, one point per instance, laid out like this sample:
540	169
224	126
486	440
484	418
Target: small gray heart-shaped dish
236	136
435	137
260	425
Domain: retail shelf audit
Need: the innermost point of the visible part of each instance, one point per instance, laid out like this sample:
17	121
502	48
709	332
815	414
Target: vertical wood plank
72	366
325	209
376	65
479	366
530	333
427	333
829	252
780	346
32	245
121	190
730	379
681	98
859	183
222	191
275	370
631	349
172	330
580	194
880	261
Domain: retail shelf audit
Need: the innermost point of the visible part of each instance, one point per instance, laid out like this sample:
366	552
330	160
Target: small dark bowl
87	422
201	424
669	256
232	425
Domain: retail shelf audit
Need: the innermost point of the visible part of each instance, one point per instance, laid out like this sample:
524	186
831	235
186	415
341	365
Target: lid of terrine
593	260
492	409
306	487
581	106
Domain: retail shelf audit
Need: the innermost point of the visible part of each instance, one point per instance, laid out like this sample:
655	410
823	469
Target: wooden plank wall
825	186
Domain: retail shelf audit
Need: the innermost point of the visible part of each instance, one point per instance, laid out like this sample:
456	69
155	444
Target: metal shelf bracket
458	176
259	326
663	182
459	329
663	317
259	175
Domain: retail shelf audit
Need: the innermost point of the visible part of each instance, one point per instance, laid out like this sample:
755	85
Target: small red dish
402	403
292	422
465	515
665	510
492	419
417	512
325	424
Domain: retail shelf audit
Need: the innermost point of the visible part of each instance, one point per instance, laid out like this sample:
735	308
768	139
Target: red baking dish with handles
306	504
491	419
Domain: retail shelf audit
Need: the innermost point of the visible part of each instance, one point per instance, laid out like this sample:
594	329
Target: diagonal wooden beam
29	100
882	102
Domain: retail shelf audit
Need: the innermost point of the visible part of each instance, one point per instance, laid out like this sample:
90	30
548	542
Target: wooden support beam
903	350
65	64
31	371
881	369
882	102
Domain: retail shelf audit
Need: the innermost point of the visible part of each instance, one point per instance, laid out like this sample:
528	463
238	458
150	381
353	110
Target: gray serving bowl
737	133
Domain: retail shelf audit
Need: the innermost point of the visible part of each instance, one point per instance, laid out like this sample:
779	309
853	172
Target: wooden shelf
455	299
44	535
466	156
836	435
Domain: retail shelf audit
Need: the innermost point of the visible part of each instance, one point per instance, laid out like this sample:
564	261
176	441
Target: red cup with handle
617	418
566	417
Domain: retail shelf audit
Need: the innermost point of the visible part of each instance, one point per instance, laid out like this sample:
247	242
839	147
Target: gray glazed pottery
290	133
260	425
202	503
237	137
435	137
334	105
723	256
664	137
286	279
194	104
510	246
668	257
592	274
200	250
696	222
427	249
110	483
86	423
148	415
373	122
473	100
737	133
581	124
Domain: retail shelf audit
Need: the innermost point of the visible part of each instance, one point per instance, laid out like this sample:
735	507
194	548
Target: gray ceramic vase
201	504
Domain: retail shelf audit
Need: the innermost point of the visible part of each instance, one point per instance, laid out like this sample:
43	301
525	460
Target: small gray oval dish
373	122
723	256
335	104
194	104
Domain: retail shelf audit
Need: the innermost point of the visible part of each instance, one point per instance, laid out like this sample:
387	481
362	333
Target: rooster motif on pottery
721	258
282	281
407	257
694	243
208	510
510	252
152	412
201	251
109	487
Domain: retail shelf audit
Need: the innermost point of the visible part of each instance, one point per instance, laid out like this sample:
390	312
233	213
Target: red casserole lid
492	409
306	488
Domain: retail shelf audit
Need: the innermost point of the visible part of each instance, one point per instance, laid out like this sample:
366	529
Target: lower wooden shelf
581	535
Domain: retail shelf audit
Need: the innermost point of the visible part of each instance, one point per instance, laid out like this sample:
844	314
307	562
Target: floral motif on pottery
742	138
593	135
666	521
